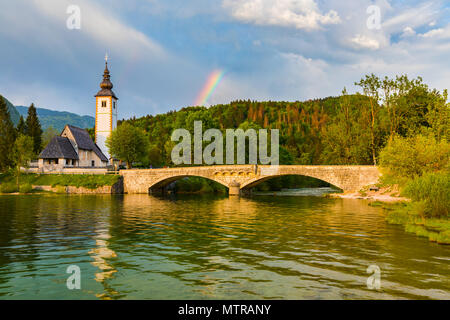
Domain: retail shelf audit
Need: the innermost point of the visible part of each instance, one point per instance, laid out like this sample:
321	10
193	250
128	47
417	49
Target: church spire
106	85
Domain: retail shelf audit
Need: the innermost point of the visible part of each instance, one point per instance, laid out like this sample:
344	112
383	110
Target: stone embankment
116	188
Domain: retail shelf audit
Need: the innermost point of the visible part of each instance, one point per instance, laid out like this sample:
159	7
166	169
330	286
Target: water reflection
203	247
101	254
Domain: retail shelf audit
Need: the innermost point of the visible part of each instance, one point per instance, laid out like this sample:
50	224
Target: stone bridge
238	178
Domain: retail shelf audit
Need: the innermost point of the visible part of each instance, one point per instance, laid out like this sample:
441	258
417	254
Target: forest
349	129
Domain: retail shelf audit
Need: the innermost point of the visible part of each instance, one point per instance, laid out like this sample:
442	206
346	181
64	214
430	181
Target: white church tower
106	111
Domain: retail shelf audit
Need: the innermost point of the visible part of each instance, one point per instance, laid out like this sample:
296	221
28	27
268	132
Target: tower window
114	105
104	104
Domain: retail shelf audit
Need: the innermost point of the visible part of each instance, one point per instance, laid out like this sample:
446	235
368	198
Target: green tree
48	135
7	137
346	140
21	126
155	157
413	156
22	154
438	116
128	143
91	132
371	85
33	129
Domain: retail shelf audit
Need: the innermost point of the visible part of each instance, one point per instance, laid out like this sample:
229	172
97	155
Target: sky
162	53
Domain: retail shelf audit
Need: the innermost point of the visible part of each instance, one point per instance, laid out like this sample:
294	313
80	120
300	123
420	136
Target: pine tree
33	129
7	137
21	127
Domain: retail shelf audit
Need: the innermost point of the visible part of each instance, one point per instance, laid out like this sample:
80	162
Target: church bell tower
106	111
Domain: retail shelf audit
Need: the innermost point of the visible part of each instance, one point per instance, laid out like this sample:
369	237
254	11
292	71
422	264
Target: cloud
432	33
162	51
61	69
101	25
299	14
408	32
419	15
361	41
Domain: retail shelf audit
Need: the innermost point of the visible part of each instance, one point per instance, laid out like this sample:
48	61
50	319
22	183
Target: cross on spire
106	57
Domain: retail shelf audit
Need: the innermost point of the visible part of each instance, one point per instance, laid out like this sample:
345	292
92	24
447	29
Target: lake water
211	247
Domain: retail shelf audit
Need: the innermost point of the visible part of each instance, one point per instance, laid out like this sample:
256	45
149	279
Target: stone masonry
243	177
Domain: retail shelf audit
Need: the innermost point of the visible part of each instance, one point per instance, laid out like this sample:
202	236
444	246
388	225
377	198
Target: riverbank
388	194
61	183
407	215
403	211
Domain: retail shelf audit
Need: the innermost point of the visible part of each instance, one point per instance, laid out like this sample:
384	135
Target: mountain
13	113
58	119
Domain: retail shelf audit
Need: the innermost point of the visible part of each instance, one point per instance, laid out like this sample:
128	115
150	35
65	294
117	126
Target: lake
211	247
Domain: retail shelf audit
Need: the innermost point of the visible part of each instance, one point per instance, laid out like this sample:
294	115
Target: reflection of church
74	147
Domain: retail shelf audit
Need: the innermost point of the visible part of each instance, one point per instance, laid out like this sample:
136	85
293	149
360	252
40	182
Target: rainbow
209	87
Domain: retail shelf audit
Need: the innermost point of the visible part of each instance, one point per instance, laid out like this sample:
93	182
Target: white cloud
408	32
68	64
299	14
271	64
418	15
432	33
361	41
101	25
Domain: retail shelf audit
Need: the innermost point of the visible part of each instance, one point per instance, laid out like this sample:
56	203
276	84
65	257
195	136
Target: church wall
114	114
68	134
86	157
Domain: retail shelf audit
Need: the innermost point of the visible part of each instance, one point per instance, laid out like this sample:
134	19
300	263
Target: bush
432	193
25	188
8	188
414	156
61	189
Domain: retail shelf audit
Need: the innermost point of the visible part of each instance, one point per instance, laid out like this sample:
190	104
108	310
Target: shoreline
373	197
388	194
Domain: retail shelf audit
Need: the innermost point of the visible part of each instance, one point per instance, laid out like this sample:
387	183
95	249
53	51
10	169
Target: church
74	148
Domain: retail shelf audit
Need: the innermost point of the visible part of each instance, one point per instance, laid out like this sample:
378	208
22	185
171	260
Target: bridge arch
255	182
161	183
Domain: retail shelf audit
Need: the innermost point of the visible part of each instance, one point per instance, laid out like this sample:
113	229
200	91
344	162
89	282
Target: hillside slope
14	114
58	119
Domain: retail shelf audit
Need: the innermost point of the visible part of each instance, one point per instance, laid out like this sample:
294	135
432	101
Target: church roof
106	85
59	147
106	93
84	141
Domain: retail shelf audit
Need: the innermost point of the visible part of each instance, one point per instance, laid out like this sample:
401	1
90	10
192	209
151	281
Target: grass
91	181
431	193
428	213
409	215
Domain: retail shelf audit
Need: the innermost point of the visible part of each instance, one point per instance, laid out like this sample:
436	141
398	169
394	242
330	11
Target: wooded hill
349	129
